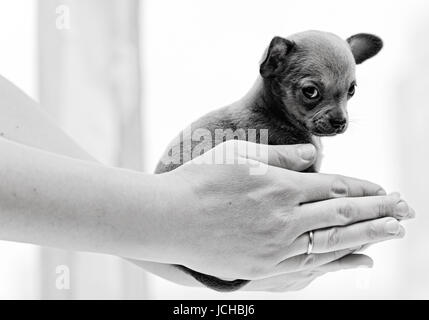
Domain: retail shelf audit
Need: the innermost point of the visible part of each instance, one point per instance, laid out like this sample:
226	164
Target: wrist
133	212
171	209
149	216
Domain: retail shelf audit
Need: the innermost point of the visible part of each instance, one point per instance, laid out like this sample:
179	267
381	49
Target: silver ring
310	242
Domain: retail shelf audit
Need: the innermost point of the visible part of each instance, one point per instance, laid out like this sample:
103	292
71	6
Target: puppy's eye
352	90
311	93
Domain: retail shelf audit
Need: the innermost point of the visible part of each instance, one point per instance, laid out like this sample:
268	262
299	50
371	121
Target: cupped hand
299	280
250	218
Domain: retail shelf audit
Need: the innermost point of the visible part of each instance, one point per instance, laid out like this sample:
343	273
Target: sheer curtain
89	80
19	263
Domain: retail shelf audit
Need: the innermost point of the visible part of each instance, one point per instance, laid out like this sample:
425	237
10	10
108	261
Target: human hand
234	225
299	280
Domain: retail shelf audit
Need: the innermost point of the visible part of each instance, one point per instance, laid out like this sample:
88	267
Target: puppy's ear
275	60
364	46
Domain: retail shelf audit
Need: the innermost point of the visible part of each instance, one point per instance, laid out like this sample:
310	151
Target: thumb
293	157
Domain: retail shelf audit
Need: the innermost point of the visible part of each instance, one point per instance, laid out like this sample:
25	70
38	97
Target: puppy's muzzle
329	126
338	124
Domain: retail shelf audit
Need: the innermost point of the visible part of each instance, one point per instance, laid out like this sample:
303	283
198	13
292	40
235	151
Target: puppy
301	95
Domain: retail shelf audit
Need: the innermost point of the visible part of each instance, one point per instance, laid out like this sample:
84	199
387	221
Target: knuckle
289	225
333	238
346	211
372	231
339	187
276	224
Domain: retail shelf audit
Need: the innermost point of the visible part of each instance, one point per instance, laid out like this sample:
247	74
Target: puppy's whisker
355	124
358	123
358	120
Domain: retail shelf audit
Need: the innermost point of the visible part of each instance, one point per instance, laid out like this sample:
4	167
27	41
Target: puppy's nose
338	123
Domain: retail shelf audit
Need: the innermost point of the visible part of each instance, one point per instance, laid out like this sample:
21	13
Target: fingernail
365	266
392	227
381	192
402	209
412	213
307	152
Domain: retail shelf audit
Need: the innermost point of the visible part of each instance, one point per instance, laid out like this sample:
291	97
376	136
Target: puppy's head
313	75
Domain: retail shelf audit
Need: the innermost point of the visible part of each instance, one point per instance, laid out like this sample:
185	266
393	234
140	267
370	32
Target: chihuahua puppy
301	95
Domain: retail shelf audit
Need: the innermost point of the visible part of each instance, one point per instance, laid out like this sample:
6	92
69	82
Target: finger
351	261
308	261
346	211
301	279
412	212
356	235
318	187
292	157
281	283
289	281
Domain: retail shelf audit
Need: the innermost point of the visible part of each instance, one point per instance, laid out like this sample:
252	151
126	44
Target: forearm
23	121
56	201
